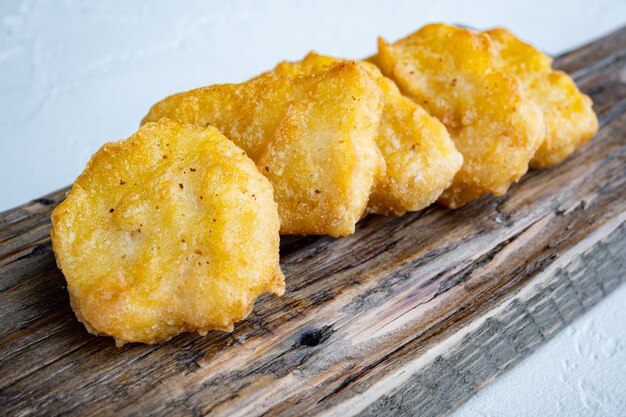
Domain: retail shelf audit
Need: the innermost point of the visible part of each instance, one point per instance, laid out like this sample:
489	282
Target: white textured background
75	74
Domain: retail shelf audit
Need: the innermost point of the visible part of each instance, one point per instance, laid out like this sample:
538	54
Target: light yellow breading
568	113
420	157
171	230
312	136
450	71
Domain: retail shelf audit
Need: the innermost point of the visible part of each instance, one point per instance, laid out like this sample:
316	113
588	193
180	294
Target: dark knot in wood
314	337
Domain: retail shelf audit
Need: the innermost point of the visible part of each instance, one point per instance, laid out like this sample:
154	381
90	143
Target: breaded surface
568	113
171	230
312	136
451	72
420	157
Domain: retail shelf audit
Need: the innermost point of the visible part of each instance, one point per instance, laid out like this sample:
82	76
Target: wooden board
409	316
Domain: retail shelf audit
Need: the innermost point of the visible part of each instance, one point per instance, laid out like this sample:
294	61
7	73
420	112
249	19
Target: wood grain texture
409	316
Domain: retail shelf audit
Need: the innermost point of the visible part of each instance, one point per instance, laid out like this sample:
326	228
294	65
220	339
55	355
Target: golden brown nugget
420	157
171	230
312	136
568	113
451	72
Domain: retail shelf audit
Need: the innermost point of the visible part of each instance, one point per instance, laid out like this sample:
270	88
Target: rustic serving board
409	316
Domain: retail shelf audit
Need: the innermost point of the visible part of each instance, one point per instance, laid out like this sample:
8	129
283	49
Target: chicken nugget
171	230
451	72
312	136
568	113
420	157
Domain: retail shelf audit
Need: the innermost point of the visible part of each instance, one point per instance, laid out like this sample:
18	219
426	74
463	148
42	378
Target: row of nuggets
177	228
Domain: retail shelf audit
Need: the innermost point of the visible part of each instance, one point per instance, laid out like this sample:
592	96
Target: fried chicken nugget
451	72
420	157
568	113
312	136
171	230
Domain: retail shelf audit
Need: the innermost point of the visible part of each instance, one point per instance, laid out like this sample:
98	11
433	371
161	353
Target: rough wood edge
442	379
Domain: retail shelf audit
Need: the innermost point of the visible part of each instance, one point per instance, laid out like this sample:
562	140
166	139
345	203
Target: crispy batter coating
312	136
169	231
568	113
420	157
451	72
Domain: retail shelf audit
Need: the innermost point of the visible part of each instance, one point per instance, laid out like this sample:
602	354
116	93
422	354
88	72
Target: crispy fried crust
451	72
169	231
568	113
312	136
420	157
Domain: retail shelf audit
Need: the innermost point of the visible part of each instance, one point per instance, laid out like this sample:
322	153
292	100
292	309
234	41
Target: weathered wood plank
408	316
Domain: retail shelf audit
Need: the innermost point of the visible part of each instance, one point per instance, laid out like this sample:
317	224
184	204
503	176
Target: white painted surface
75	74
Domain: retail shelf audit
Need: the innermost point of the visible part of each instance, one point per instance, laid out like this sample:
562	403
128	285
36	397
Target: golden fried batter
451	72
312	136
169	231
420	157
568	114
